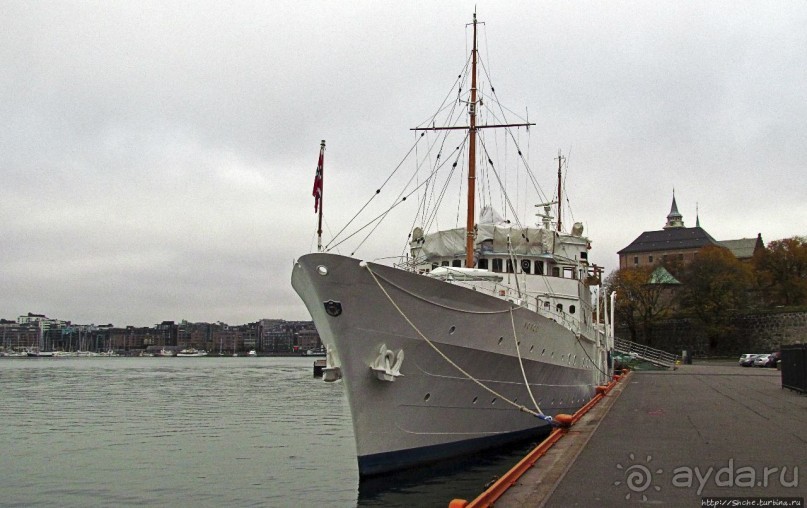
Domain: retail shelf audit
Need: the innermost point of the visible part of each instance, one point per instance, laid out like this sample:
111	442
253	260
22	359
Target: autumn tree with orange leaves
715	290
643	299
782	271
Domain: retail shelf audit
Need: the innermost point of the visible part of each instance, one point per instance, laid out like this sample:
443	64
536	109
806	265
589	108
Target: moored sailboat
476	338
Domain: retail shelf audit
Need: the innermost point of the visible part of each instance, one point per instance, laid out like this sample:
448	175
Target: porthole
543	351
571	309
452	330
427	397
475	399
322	270
532	347
493	401
501	339
552	355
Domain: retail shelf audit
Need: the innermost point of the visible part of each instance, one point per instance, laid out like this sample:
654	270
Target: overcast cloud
156	158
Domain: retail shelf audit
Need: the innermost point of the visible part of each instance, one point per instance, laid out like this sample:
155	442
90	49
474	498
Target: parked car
747	359
761	360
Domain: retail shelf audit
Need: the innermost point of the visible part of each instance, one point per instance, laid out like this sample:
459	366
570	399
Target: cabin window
526	264
650	259
457	263
510	266
546	305
497	265
584	255
571	309
559	307
635	260
434	265
568	272
555	271
483	264
444	263
539	268
680	257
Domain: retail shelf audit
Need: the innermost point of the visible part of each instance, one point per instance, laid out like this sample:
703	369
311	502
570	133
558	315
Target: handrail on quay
647	353
508	479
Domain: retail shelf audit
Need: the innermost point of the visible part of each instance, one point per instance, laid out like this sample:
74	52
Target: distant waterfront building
676	242
269	335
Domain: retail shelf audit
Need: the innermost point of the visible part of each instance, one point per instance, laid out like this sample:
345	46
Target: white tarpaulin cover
491	236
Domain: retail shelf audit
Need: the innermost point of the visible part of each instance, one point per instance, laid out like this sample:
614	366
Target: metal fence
794	367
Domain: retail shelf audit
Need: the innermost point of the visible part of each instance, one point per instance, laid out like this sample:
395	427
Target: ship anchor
387	366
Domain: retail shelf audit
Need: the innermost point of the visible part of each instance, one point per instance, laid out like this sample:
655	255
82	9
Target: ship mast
469	224
560	195
472	128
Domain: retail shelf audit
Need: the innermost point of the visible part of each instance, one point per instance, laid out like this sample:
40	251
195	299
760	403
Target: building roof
662	276
743	248
670	239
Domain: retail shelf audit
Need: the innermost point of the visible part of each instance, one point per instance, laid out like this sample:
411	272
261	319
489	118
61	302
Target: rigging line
377	192
527	168
431	344
529	172
428	205
521	362
596	364
381	215
433	213
433	210
445	104
501	185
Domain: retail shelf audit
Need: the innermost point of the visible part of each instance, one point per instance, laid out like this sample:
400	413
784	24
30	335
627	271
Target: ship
478	337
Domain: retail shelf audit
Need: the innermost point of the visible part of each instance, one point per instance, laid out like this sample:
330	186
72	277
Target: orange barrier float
509	479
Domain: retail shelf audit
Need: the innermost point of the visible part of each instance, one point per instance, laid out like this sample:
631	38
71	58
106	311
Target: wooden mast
471	216
560	195
472	130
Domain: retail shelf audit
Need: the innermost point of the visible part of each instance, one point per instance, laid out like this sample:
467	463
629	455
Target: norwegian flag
317	193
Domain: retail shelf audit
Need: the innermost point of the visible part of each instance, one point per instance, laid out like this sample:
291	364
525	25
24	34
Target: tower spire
674	218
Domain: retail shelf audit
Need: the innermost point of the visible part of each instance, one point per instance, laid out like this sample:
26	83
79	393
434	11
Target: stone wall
759	333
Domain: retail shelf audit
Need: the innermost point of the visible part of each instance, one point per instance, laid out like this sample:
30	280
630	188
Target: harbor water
209	431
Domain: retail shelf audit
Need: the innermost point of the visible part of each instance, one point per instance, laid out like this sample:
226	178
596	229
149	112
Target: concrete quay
674	438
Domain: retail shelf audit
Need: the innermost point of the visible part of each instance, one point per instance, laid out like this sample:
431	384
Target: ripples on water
196	431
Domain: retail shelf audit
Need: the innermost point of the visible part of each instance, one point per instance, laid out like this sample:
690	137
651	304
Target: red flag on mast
317	193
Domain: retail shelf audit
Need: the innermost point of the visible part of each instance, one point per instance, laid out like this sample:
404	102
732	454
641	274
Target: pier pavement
676	438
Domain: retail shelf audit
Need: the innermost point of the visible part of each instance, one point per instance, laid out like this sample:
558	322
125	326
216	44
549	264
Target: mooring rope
520	407
521	363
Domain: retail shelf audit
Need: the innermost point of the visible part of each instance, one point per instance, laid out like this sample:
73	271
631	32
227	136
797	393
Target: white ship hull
433	410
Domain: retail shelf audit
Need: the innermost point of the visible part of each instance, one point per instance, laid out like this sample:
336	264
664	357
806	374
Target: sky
157	157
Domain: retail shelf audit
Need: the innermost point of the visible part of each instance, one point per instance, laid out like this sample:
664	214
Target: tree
641	300
715	289
782	271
